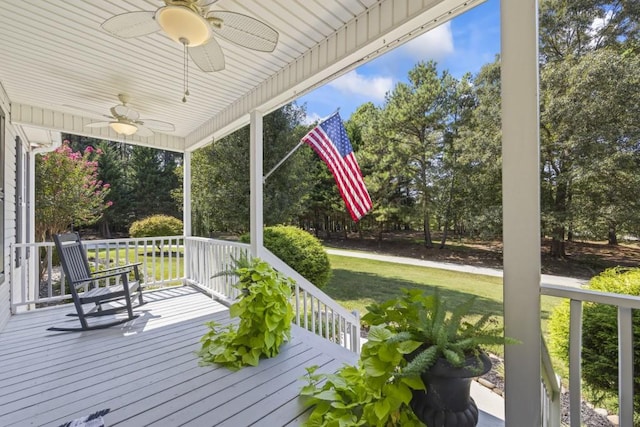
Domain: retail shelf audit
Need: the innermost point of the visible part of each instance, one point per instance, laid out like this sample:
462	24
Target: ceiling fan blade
131	24
208	57
144	131
245	31
98	125
125	111
158	125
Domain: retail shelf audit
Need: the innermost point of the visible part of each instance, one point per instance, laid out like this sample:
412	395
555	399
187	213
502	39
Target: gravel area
494	379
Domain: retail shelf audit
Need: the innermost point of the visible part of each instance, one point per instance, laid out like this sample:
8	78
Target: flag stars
336	132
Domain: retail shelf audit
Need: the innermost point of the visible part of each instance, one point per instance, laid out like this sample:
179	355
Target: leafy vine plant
372	393
265	314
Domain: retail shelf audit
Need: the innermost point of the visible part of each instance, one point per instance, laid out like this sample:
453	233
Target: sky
461	45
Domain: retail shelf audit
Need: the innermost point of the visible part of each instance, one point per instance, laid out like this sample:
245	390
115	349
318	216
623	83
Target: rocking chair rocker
101	287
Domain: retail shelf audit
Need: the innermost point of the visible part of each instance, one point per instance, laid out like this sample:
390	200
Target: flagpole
281	161
264	179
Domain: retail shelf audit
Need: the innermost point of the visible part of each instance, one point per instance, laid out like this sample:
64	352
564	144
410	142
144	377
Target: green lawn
162	270
358	282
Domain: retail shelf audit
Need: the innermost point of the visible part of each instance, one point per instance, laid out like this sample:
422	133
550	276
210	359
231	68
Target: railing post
12	278
355	339
186	257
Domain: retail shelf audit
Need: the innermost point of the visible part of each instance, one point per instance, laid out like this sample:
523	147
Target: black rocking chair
101	287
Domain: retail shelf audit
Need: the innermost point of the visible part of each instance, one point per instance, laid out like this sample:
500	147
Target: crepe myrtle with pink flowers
68	191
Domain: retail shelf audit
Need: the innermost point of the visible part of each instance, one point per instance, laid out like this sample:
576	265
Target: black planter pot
447	401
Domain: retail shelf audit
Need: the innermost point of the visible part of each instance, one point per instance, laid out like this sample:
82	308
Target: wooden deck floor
146	371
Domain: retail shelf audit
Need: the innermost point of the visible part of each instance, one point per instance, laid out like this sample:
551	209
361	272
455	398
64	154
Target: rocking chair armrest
119	267
103	276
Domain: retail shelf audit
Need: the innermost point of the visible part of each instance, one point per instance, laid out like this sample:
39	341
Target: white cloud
311	118
371	87
597	25
434	44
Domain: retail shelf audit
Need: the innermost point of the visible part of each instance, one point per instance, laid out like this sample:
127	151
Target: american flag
329	139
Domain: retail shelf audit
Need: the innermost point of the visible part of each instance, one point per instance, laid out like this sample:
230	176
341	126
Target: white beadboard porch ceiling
57	64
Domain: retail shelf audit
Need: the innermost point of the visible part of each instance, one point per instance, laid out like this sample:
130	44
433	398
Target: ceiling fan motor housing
184	25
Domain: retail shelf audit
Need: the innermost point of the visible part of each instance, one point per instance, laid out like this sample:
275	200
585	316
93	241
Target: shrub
300	250
156	226
600	335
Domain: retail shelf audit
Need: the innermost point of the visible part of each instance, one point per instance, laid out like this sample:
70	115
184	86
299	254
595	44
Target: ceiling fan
193	25
126	121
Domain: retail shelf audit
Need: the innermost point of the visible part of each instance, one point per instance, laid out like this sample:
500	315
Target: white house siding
9	171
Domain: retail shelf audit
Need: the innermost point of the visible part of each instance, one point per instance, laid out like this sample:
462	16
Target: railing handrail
589	295
99	241
219	241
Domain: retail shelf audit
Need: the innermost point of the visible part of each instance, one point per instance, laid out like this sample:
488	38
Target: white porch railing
171	261
317	312
207	259
314	310
625	305
37	278
550	391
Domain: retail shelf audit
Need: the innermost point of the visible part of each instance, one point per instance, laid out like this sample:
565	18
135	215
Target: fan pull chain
185	72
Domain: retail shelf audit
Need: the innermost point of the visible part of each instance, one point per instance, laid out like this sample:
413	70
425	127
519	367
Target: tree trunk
105	231
428	243
444	235
557	243
613	238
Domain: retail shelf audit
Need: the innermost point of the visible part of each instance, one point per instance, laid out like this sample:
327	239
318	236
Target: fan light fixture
183	25
123	128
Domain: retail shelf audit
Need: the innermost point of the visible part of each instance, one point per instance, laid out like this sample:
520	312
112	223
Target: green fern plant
265	314
445	333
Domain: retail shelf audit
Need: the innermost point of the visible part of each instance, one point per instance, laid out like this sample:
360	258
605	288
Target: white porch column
521	205
186	191
256	166
31	199
186	212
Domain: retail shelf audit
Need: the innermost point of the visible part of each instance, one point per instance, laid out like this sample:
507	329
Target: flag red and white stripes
329	139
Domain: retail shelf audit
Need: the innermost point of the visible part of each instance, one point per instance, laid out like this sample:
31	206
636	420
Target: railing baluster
625	366
575	354
297	303
304	309
162	260
144	262
50	271
170	259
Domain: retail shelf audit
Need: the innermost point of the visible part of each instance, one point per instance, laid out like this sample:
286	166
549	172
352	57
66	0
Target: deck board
146	371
